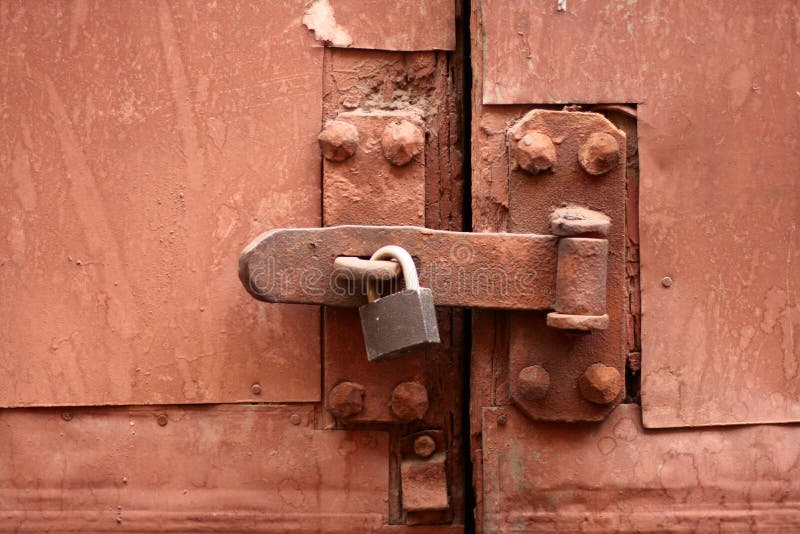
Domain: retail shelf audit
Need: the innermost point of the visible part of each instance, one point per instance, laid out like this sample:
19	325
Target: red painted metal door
646	149
706	96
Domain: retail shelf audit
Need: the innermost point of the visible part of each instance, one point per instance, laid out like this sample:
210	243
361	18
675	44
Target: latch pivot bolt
338	141
401	142
599	154
535	153
600	384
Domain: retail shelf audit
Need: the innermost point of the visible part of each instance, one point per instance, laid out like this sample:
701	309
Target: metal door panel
720	193
225	468
619	476
144	143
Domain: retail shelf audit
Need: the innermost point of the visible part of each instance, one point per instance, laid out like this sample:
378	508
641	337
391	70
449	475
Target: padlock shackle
406	265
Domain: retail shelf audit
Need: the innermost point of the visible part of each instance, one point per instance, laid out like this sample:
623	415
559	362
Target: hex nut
409	401
401	142
346	399
533	382
338	141
599	153
424	446
600	384
535	153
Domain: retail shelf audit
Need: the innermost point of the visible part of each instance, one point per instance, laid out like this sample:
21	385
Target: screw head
535	153
599	153
410	401
346	399
424	446
600	384
401	142
295	419
533	382
666	281
256	389
338	141
161	419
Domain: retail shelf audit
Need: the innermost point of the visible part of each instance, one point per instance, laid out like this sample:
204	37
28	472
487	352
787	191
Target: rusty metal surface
566	355
619	477
424	483
376	24
367	188
719	204
226	468
144	142
509	271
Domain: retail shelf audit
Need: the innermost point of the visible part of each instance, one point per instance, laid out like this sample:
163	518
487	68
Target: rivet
424	446
599	154
338	141
294	419
535	153
533	382
346	399
161	419
410	401
600	384
67	416
256	389
401	141
666	281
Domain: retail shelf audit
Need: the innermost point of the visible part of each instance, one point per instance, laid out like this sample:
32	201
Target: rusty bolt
533	382
600	384
256	389
410	401
666	281
535	153
346	399
295	419
424	446
66	416
338	140
401	141
161	419
599	154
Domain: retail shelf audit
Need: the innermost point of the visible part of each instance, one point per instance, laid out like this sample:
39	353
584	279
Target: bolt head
338	141
161	419
346	399
424	446
600	384
535	153
67	416
666	281
599	153
256	389
401	142
410	401
295	419
533	383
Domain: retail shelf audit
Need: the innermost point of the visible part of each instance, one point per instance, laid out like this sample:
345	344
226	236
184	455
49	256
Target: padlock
401	321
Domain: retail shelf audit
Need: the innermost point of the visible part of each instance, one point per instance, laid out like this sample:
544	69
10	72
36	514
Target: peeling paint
319	18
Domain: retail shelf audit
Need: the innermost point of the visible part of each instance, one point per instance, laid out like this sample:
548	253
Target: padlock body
399	322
